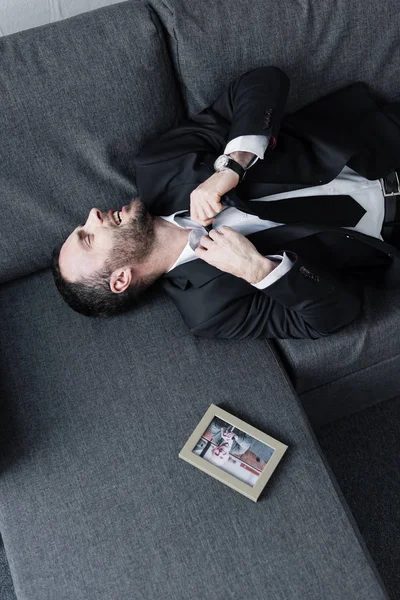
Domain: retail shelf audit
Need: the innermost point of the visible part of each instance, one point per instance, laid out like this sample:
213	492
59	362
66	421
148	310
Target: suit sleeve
285	264
252	104
307	302
257	101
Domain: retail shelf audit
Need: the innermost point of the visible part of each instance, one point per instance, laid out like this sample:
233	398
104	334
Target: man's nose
96	216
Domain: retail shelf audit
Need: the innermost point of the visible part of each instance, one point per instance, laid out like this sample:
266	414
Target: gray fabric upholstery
363	451
94	501
6	585
322	45
354	392
78	99
353	368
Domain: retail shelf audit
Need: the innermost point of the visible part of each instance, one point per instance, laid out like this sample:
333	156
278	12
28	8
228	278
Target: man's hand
230	251
205	200
228	435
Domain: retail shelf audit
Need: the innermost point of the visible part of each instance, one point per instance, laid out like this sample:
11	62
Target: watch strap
232	164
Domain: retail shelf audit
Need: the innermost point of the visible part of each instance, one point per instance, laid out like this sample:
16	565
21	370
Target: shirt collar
185	222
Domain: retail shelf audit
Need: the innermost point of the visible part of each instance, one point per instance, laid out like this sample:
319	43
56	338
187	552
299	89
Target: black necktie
334	211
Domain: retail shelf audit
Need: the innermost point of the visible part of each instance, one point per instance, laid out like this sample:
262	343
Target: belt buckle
385	192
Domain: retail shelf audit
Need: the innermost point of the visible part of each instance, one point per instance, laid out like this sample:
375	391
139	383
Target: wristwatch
224	161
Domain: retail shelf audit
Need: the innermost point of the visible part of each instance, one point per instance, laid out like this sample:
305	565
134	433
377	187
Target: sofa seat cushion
95	502
322	46
350	369
78	99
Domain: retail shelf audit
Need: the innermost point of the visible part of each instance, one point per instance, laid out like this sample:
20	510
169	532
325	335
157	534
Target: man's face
102	242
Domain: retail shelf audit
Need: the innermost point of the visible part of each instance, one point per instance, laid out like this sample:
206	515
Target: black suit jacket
320	294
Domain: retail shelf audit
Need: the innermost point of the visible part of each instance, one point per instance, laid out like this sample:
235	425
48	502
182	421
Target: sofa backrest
322	46
78	99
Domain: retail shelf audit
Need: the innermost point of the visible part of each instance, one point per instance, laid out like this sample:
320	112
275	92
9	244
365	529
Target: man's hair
93	296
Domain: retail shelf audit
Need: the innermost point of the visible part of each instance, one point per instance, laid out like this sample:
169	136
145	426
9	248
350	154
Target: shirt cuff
256	144
279	271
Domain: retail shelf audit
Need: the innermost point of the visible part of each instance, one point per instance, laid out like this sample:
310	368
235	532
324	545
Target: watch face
221	162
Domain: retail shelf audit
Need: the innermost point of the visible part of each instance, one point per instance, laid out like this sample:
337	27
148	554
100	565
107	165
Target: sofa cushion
353	368
95	503
78	99
322	46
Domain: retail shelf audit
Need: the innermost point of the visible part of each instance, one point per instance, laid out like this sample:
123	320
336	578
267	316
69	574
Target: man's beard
134	242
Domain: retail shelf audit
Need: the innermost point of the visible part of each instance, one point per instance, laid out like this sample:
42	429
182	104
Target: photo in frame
234	452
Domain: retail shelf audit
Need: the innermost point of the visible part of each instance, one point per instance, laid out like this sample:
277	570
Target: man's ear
121	279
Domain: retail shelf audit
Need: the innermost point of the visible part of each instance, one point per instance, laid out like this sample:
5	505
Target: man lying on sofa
256	223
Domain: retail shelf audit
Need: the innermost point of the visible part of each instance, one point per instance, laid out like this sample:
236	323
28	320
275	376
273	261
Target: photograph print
234	451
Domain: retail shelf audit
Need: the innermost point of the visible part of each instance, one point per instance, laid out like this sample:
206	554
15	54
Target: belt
391	191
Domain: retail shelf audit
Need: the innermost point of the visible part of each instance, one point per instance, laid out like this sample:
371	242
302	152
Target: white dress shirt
367	193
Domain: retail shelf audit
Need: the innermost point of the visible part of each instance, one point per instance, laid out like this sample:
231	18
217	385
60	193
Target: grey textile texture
322	46
6	585
94	501
351	369
353	392
78	98
363	451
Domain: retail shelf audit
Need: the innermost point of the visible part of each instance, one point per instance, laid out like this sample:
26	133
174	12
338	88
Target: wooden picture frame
202	451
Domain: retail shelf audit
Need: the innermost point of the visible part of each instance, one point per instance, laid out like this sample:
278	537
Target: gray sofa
94	501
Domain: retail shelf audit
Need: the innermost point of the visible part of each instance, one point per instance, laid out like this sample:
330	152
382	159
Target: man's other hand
205	200
232	252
